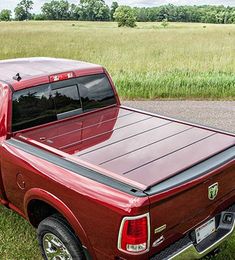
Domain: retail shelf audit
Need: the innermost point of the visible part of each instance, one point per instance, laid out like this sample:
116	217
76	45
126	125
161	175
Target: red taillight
62	76
134	234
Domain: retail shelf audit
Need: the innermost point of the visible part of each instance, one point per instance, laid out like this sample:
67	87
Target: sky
11	4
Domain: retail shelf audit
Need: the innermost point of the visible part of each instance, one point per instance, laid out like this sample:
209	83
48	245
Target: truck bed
138	147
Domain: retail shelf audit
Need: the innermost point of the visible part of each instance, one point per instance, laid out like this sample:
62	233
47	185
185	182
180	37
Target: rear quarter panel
97	207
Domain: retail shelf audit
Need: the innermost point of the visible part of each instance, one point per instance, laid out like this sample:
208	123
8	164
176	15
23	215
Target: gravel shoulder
218	114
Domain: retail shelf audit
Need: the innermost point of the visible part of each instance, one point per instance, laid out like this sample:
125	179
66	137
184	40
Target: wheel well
39	210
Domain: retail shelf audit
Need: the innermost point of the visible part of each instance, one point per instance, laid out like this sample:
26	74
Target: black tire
57	227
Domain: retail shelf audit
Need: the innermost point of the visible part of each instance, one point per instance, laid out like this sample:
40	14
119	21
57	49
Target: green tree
94	10
114	6
197	14
125	16
97	10
38	17
20	14
164	23
22	10
72	12
5	15
56	10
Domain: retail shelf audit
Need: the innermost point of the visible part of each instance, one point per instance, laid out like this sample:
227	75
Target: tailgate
188	199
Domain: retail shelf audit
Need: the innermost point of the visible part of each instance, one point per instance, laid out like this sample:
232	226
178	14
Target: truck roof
36	70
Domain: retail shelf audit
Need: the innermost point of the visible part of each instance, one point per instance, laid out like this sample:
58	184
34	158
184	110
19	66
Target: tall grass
181	61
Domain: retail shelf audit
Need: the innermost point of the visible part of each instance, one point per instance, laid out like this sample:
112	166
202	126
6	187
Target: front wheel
57	241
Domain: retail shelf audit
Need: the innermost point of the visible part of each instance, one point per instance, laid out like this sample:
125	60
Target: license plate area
205	230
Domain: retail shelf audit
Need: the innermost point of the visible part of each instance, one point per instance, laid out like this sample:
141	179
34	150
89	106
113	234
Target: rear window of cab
51	102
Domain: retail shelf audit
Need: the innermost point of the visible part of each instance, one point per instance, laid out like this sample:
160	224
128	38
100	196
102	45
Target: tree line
98	10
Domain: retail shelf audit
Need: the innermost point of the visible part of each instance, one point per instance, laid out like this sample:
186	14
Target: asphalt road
218	114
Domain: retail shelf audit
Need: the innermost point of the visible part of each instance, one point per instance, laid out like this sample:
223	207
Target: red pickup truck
102	181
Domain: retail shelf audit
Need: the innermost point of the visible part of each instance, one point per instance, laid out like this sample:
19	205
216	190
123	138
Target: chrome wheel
54	248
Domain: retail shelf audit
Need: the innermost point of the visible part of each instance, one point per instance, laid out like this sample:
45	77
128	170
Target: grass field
181	61
17	238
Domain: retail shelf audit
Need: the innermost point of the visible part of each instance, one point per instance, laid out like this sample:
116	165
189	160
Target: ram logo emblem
213	191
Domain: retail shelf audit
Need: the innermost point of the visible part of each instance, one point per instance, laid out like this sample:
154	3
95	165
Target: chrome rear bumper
192	252
186	248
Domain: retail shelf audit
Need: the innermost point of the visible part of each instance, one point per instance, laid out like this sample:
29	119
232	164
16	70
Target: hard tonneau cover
138	148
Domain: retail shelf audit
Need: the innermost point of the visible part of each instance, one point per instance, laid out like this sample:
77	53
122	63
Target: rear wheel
57	240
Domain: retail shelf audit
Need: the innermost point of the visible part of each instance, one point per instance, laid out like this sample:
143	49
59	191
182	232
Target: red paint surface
134	147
